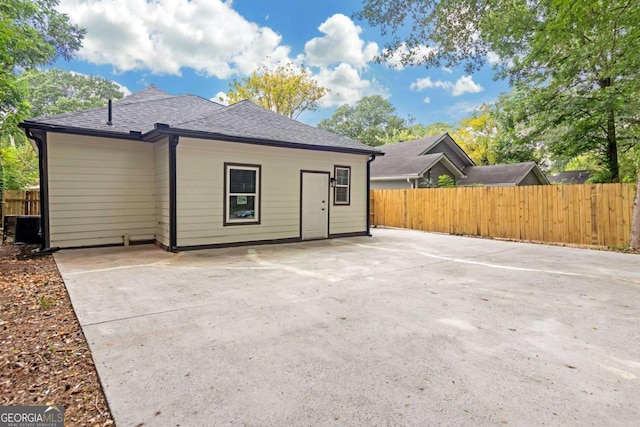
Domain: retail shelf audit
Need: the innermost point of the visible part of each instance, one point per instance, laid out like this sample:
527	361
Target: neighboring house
419	163
185	172
570	177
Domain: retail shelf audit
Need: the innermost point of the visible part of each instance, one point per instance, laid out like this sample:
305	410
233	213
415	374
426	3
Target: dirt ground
44	356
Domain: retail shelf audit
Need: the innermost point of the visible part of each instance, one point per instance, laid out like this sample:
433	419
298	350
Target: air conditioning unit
28	230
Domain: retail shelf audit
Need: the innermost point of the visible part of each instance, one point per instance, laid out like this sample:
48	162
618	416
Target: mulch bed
44	356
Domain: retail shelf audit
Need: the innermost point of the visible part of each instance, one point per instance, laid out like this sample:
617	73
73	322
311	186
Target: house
570	177
419	163
184	172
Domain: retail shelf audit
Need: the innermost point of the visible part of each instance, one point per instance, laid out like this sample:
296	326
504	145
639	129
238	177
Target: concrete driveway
402	328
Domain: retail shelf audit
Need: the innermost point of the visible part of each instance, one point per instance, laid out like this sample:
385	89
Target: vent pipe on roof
110	114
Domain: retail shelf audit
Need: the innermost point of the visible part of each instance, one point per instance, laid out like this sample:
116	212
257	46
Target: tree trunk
612	142
635	222
612	145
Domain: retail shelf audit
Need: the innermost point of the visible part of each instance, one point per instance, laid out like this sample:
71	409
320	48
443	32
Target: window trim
258	195
348	186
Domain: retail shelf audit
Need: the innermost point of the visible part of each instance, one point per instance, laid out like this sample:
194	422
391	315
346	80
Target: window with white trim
342	190
242	194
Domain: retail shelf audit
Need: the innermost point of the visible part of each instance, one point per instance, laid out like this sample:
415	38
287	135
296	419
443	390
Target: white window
342	191
242	194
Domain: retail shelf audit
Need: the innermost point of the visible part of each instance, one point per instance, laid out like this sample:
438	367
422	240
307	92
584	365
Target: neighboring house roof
570	177
411	159
501	175
146	114
399	168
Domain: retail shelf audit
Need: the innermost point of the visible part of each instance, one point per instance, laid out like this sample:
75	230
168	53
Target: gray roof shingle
407	158
397	166
140	112
509	174
247	120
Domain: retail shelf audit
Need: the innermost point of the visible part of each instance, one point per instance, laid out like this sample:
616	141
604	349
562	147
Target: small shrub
45	303
446	181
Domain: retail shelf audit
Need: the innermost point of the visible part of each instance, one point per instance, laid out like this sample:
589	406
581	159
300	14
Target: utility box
28	229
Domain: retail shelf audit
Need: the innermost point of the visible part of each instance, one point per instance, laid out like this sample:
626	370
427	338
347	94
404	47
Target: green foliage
371	121
575	65
476	136
32	33
446	181
44	302
56	91
286	90
19	166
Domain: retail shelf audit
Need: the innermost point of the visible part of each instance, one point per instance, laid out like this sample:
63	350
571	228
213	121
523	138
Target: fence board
592	214
17	202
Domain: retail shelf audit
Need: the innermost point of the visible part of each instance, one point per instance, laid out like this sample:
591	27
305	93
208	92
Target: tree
476	136
56	91
19	166
368	121
285	89
575	63
32	33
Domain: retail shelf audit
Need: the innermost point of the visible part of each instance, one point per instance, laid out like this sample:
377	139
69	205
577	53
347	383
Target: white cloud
403	56
125	90
493	58
427	83
341	43
220	98
464	84
447	70
346	84
165	36
427	100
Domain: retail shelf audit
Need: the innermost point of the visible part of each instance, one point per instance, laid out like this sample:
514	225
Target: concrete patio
402	328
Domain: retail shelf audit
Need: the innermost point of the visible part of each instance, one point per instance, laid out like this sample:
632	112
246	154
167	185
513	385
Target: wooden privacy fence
16	202
589	214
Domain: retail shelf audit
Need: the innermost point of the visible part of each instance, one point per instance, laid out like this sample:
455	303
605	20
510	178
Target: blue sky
200	46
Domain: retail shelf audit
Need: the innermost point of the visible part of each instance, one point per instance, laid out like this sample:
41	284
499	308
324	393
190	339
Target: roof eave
537	172
395	177
162	130
448	164
131	135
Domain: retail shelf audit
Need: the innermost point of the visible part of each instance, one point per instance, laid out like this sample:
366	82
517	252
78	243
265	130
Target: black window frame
228	220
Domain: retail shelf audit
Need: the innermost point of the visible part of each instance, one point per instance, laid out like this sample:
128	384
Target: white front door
315	205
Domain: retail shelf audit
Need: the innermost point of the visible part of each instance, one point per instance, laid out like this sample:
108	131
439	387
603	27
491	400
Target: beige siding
200	192
161	161
99	190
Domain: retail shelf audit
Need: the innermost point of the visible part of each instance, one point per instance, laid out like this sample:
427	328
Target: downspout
371	159
173	205
44	188
409	182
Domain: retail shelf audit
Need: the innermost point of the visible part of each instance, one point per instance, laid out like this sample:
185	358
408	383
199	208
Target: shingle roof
247	120
140	112
137	112
509	174
396	166
408	158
